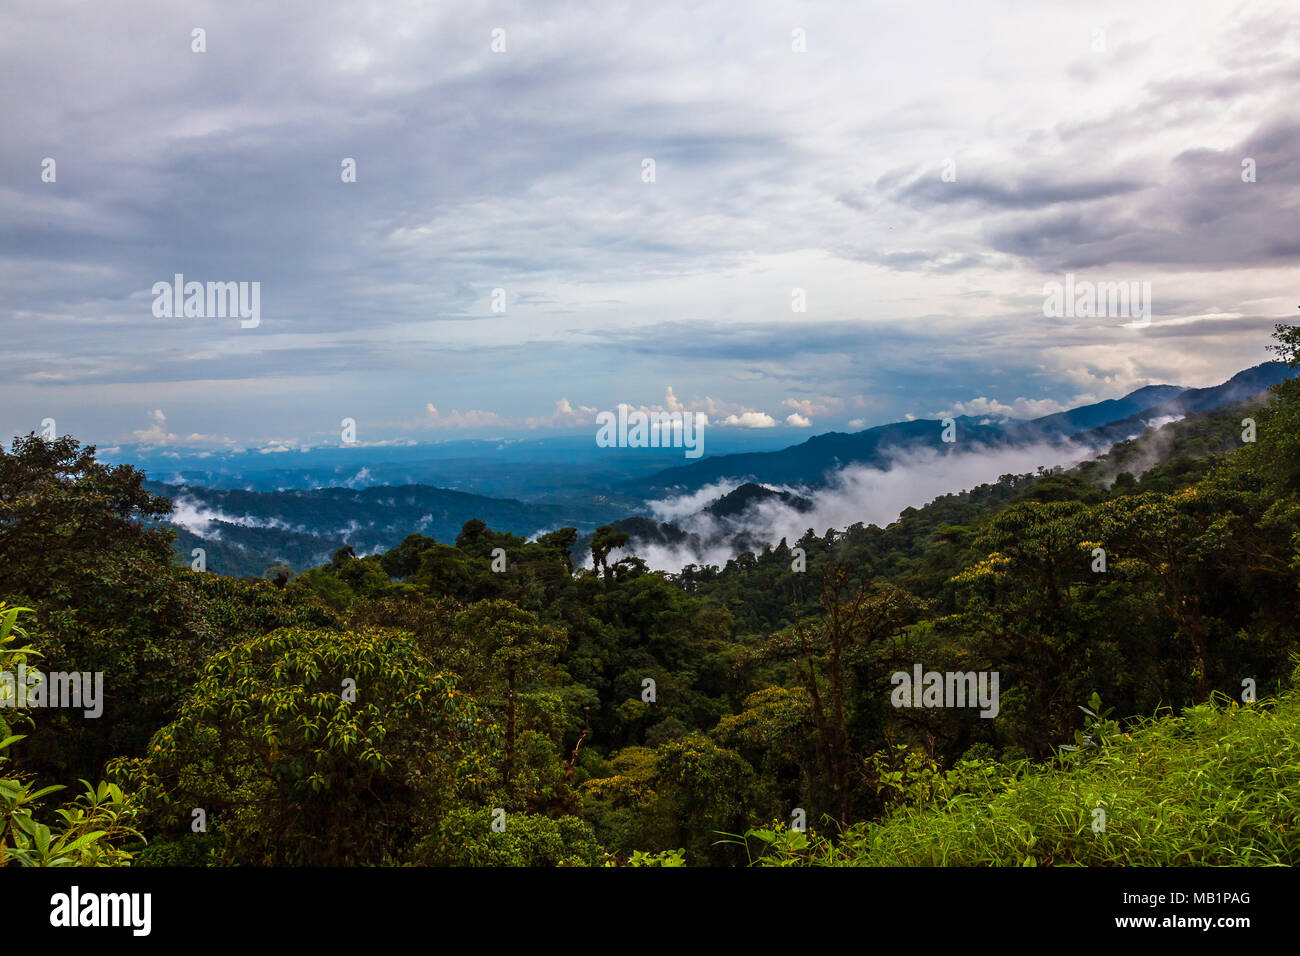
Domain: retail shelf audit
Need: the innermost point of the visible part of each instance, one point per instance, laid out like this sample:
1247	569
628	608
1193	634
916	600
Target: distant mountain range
808	464
244	532
1240	387
532	469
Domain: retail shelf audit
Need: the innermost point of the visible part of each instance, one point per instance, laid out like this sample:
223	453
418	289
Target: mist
857	493
198	518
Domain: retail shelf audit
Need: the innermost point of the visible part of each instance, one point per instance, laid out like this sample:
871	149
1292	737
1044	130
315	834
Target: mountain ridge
808	463
244	532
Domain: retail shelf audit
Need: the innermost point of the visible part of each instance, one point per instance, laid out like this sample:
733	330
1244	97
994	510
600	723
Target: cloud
795	420
1033	192
749	419
1022	408
473	418
1200	212
808	408
681	506
564	416
715	411
771	175
156	436
857	494
198	518
278	446
153	435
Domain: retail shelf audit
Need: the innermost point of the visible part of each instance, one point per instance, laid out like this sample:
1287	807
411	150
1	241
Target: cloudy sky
918	171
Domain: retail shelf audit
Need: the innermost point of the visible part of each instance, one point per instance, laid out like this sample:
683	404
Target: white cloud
807	408
565	415
473	418
715	411
749	420
1022	408
153	435
854	494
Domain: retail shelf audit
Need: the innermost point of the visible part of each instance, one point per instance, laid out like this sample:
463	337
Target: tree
604	540
515	647
81	545
851	625
1172	538
59	504
313	747
563	540
404	560
1027	610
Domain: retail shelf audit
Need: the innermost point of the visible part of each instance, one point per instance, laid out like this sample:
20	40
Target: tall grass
1217	786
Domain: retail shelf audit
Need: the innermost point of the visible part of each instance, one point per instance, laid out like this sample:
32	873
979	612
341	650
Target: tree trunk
507	769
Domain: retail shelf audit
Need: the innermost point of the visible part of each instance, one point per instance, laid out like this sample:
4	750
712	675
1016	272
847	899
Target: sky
561	207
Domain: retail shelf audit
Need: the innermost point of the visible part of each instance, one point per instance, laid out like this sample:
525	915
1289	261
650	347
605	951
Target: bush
1218	786
312	748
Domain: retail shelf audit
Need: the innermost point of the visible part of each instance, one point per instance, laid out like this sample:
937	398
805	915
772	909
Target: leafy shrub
87	829
291	771
1217	786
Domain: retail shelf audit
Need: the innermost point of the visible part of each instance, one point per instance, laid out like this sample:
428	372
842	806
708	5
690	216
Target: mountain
807	465
562	465
244	532
1241	387
1112	410
1162	458
736	503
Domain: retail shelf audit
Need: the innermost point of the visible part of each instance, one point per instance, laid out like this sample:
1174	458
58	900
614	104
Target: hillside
807	464
1163	458
245	532
1162	793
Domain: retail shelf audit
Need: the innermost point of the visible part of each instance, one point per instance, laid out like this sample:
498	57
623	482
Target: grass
1217	786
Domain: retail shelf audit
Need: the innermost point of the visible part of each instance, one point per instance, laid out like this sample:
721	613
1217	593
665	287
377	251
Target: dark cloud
522	171
1027	193
1203	215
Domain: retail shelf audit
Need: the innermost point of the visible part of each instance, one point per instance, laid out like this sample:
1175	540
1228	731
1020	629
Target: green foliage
106	595
247	607
662	858
676	796
290	770
604	540
1217	786
87	830
465	837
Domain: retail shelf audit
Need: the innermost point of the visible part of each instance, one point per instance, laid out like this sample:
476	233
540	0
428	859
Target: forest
497	701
